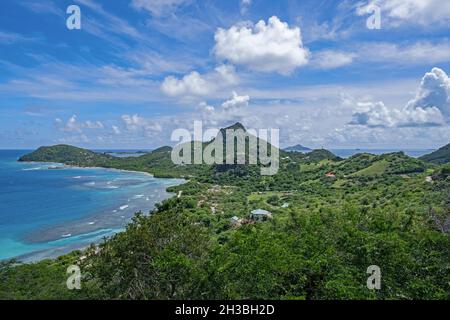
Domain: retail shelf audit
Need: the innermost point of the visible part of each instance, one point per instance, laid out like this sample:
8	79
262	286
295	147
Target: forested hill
440	156
298	148
68	155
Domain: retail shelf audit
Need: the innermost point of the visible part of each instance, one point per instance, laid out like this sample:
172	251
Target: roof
260	212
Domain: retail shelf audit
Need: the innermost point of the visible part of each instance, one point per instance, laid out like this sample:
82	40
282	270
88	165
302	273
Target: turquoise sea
49	209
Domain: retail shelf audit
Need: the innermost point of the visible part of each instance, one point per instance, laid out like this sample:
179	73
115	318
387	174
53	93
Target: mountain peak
236	126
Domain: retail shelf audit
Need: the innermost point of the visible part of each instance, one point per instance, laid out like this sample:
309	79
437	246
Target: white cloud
93	125
271	47
236	101
430	107
75	139
329	59
158	7
398	12
434	92
136	124
378	115
196	84
192	83
73	126
206	108
416	53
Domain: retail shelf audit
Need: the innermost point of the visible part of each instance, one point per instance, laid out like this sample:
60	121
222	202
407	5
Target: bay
48	209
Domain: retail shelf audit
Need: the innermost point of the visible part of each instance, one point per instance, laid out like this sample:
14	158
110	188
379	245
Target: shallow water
49	209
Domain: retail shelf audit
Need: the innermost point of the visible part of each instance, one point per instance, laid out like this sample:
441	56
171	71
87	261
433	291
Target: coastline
103	168
73	235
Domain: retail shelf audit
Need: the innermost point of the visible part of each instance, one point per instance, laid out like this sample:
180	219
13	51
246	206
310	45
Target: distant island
297	148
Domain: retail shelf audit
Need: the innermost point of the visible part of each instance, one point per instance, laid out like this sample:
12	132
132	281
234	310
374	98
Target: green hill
297	148
440	156
319	155
377	168
68	155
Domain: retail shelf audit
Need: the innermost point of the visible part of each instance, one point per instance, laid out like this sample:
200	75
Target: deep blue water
49	209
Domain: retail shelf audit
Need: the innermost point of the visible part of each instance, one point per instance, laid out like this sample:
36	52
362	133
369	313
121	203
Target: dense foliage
440	156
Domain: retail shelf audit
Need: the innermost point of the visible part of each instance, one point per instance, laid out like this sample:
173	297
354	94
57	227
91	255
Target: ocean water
49	209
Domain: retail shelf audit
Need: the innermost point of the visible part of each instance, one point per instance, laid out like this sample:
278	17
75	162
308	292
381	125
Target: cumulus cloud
434	92
192	83
158	7
206	108
398	12
378	115
73	126
236	101
271	47
430	107
144	126
196	84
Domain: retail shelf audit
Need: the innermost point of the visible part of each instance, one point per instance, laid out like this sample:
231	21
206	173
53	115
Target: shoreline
106	224
103	168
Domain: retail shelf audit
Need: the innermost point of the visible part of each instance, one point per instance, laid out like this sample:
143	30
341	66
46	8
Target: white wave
138	196
77	177
124	207
66	235
91	223
32	169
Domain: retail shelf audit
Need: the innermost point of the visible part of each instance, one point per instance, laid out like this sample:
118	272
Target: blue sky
138	69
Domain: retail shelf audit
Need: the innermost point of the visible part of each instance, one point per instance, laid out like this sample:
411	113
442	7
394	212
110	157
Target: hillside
297	148
319	155
68	155
440	156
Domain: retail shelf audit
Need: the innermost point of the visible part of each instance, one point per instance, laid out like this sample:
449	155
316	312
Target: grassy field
378	168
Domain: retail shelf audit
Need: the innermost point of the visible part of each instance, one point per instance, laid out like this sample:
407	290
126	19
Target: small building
260	215
330	175
285	205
